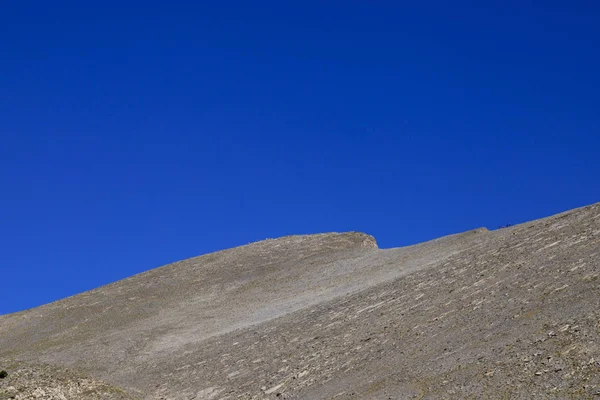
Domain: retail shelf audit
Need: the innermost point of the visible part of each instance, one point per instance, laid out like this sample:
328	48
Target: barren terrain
512	313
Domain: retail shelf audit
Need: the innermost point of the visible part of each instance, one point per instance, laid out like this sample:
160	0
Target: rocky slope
511	313
27	381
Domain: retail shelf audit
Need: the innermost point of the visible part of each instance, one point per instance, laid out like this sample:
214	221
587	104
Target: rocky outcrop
26	381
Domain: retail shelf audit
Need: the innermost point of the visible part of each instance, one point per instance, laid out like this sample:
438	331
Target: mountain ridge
157	327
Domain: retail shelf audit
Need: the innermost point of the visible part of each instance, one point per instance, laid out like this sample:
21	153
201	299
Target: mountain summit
510	313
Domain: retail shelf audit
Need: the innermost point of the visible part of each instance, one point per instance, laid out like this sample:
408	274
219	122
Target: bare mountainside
512	313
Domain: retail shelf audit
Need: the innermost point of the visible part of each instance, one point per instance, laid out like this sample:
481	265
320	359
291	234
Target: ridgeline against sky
134	134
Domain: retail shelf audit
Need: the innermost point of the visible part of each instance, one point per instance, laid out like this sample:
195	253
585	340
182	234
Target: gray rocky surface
512	313
27	381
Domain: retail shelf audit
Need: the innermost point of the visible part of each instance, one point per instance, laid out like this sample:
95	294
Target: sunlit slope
511	313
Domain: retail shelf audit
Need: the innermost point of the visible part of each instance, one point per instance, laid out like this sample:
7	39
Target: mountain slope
512	312
28	381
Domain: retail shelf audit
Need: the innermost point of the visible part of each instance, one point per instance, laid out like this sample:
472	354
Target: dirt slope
512	313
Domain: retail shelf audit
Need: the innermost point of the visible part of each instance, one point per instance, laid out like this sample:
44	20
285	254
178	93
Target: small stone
564	328
3	374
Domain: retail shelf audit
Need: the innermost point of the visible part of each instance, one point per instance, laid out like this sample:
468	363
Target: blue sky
134	134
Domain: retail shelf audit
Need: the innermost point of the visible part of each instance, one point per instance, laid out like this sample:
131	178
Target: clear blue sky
135	134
